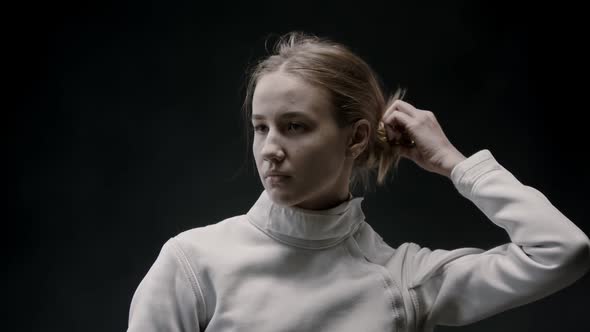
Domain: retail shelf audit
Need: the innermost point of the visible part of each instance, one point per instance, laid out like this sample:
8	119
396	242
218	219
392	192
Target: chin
282	197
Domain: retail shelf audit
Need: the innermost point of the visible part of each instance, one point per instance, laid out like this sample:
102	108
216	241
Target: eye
292	126
296	126
259	128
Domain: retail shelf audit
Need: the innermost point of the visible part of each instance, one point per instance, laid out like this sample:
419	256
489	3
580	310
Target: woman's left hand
430	148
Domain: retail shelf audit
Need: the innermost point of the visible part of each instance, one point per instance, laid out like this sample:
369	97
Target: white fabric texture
282	269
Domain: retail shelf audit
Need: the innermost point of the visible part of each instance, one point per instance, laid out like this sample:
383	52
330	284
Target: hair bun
382	132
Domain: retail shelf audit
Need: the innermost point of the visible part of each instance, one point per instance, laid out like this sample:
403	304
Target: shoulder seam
192	277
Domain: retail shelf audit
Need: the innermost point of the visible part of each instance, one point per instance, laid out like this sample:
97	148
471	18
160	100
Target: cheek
320	160
256	153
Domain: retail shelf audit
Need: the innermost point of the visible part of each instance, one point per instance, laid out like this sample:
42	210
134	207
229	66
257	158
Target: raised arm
168	298
547	251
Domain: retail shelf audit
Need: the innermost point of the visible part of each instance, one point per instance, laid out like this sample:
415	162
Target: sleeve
168	298
547	252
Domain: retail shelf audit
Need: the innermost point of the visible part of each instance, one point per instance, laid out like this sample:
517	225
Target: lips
277	180
277	174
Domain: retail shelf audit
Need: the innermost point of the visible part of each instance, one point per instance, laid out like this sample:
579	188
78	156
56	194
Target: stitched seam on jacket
481	177
410	248
333	243
465	172
417	308
441	266
396	314
193	281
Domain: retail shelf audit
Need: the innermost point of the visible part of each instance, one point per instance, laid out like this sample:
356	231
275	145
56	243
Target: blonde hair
355	89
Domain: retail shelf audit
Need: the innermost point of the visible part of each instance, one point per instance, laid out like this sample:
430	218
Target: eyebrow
287	115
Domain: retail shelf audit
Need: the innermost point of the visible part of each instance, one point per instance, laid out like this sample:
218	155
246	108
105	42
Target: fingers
400	106
407	108
394	118
396	124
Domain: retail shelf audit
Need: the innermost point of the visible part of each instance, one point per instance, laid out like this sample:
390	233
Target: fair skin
308	146
296	134
433	150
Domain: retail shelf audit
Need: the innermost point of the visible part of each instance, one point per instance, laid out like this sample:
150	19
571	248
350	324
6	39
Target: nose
272	150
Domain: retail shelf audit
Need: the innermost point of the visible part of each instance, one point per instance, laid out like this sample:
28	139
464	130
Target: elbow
577	255
583	249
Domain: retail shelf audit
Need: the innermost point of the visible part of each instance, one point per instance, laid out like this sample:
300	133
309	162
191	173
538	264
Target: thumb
407	150
404	151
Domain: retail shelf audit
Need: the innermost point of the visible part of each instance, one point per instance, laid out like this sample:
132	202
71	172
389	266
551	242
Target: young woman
303	258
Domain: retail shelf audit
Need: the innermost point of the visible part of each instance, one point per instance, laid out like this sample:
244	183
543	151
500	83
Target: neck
304	228
324	204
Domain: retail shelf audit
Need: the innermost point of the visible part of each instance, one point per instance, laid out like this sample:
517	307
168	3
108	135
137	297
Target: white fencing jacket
279	269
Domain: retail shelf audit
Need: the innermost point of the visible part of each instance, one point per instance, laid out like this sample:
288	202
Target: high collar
307	228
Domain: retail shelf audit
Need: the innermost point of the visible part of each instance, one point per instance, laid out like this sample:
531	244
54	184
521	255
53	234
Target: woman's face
295	133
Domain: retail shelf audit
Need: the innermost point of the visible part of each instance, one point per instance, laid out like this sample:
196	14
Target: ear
358	139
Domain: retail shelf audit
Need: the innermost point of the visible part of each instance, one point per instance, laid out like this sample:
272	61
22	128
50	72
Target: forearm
529	218
546	251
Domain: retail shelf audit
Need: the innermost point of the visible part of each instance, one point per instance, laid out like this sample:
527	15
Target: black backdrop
128	131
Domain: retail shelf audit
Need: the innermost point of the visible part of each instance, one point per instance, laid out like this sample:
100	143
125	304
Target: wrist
450	162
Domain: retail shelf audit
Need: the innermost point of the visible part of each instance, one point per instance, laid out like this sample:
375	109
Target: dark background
127	131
